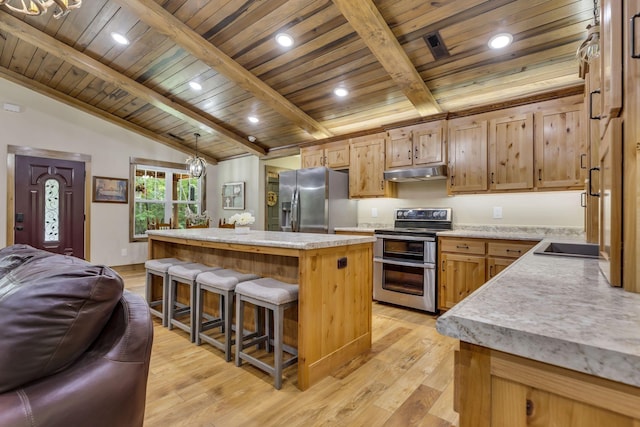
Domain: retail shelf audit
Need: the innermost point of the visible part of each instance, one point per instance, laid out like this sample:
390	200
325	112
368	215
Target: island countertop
275	239
556	310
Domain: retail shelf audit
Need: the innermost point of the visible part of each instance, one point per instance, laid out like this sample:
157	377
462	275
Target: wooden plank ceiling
376	49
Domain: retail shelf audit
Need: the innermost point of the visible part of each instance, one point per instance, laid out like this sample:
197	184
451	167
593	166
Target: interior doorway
48	196
272	183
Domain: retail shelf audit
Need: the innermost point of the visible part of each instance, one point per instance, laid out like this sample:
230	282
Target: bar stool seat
159	267
223	283
187	274
276	296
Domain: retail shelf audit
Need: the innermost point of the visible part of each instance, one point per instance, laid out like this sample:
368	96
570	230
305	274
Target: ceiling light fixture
38	7
284	39
119	38
590	48
195	85
197	165
500	41
253	119
341	92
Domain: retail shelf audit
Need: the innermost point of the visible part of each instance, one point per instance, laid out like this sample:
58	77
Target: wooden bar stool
276	296
223	283
159	267
184	273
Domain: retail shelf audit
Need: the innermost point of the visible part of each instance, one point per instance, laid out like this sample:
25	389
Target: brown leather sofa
74	345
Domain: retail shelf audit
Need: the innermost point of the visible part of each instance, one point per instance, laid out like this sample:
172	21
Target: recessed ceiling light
500	40
284	39
195	85
341	92
119	38
253	119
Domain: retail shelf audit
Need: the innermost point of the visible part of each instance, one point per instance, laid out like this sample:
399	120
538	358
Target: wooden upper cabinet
560	148
611	56
366	171
311	157
467	155
333	155
511	152
429	147
399	150
419	145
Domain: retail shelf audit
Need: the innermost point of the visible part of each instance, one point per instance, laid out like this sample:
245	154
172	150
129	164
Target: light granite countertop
275	239
512	232
557	310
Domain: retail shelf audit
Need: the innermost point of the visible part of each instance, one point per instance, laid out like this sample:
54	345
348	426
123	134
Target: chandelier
590	48
38	7
197	165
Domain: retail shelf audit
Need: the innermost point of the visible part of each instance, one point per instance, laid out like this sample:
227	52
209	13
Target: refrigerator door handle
294	210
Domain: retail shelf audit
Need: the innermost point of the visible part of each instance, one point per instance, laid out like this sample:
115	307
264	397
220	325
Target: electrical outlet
497	212
374	212
123	252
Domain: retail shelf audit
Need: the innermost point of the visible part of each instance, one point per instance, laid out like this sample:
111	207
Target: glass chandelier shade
38	7
197	165
590	48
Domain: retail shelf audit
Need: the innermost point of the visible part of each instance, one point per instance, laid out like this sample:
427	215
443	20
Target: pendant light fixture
590	48
38	7
197	165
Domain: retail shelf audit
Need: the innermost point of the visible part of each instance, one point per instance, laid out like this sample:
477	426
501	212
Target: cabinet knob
529	407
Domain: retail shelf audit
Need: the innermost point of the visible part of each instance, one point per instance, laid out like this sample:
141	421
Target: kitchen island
333	321
547	341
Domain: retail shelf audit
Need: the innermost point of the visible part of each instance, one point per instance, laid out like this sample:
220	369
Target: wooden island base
334	307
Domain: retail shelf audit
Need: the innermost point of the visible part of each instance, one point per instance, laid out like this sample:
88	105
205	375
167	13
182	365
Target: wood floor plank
405	380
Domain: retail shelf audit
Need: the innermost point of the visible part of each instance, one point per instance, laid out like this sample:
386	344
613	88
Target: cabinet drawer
509	249
475	247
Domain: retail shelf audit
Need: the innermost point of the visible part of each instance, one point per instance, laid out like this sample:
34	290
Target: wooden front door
49	204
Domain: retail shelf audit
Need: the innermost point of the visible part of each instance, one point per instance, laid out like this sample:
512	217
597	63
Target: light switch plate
497	212
374	212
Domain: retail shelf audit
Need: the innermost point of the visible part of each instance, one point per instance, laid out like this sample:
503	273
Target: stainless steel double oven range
404	263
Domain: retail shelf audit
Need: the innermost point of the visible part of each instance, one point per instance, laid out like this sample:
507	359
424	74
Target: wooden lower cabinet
466	264
496	389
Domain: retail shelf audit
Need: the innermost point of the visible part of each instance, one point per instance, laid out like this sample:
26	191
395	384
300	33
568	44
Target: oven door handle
409	238
404	264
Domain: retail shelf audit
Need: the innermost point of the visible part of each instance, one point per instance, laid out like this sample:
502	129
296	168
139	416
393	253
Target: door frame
12	151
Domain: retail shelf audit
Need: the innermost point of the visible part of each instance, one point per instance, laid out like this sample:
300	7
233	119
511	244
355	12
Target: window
162	193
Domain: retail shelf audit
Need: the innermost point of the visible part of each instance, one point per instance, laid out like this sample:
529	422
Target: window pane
145	213
51	210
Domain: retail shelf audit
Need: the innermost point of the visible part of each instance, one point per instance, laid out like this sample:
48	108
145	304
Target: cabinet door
337	155
511	152
428	144
611	65
399	148
611	203
560	143
496	265
367	167
311	157
459	276
468	156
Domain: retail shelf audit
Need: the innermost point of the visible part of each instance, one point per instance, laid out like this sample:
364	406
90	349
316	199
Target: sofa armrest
105	387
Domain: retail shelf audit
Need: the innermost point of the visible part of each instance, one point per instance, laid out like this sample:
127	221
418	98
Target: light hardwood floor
405	380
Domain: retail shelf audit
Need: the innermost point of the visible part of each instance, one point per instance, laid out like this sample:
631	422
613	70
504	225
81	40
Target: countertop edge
517	331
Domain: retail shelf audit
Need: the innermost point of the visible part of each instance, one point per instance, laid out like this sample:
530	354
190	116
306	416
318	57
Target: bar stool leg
278	328
228	315
172	297
239	328
199	313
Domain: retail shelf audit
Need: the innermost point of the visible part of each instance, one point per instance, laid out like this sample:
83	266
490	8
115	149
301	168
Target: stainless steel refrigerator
315	200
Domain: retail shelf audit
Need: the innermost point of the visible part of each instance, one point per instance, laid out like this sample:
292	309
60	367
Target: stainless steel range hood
424	173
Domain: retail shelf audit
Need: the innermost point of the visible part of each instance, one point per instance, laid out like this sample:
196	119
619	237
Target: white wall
47	124
243	169
550	208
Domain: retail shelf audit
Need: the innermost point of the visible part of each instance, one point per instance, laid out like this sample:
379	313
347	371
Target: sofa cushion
52	307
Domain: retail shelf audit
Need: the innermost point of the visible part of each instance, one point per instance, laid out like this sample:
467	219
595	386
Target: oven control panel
423	214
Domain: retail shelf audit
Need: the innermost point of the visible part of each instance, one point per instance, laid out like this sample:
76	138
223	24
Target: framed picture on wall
233	195
110	190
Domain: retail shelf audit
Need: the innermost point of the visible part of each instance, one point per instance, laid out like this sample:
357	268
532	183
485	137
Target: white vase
243	229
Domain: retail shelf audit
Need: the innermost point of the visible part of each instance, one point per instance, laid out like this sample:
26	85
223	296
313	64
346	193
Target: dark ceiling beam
42	89
367	21
63	51
154	15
